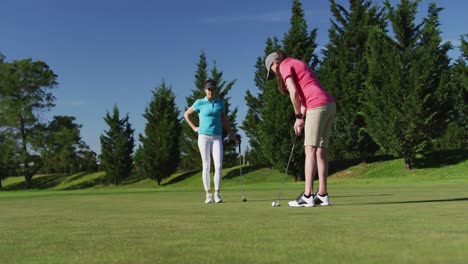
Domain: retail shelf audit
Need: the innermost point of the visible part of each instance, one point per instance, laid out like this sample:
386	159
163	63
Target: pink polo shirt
310	90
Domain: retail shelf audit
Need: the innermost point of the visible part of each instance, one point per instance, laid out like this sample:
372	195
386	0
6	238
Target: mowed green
371	220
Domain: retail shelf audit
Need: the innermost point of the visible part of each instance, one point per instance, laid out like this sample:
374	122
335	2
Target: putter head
244	200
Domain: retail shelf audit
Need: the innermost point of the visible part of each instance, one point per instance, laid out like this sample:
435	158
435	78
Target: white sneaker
217	198
322	200
208	198
302	201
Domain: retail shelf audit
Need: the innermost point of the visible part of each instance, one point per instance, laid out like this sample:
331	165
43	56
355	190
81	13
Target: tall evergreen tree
456	134
343	74
256	108
460	74
117	145
25	94
298	42
190	153
160	154
222	91
406	95
275	129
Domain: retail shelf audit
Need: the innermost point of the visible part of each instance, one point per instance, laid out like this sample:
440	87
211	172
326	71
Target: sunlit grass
365	224
380	213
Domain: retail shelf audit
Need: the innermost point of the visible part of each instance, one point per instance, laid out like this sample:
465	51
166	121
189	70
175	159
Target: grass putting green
366	224
380	213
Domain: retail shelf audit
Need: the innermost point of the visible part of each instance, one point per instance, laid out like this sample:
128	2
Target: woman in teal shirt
212	115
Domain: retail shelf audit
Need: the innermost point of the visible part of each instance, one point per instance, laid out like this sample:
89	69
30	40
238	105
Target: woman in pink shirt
315	110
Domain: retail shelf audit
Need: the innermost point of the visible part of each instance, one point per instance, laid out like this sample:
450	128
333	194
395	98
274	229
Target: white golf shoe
208	198
217	198
322	200
302	201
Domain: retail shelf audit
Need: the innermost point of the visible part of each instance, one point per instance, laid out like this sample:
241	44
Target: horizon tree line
397	94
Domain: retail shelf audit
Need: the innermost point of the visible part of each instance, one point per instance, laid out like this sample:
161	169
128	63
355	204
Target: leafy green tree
406	96
160	155
24	94
86	159
61	141
9	158
117	145
343	72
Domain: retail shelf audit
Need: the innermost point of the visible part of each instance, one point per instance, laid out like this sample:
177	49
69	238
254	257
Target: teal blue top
209	113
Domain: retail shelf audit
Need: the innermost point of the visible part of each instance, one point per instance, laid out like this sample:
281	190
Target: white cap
268	62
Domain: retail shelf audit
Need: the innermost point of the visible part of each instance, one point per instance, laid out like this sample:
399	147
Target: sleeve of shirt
196	106
286	70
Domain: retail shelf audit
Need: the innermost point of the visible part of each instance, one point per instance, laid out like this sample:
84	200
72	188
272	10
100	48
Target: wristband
299	116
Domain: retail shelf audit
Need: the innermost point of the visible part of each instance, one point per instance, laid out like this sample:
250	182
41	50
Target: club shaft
286	170
240	172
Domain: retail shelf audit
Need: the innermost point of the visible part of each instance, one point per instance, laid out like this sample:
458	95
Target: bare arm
295	99
298	106
187	118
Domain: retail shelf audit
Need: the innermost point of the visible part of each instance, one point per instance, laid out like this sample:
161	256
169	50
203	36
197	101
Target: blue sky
116	52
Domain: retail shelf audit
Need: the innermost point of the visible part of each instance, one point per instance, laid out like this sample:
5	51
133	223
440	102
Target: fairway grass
367	223
380	213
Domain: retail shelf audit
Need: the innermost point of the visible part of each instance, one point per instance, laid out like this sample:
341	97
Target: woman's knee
322	153
310	150
206	164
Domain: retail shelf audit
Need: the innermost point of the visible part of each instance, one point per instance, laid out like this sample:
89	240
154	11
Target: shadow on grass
436	159
236	173
421	201
181	177
75	177
38	182
340	165
363	195
133	179
441	158
85	184
42	182
271	199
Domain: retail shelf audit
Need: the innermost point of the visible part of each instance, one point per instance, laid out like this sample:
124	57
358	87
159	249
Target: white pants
211	144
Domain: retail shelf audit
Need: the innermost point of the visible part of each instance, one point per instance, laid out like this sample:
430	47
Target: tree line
397	91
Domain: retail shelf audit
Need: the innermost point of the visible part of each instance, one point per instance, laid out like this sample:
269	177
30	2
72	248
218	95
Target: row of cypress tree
395	88
168	144
396	91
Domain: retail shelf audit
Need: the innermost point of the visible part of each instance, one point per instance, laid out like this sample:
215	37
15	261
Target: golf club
277	203
240	169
